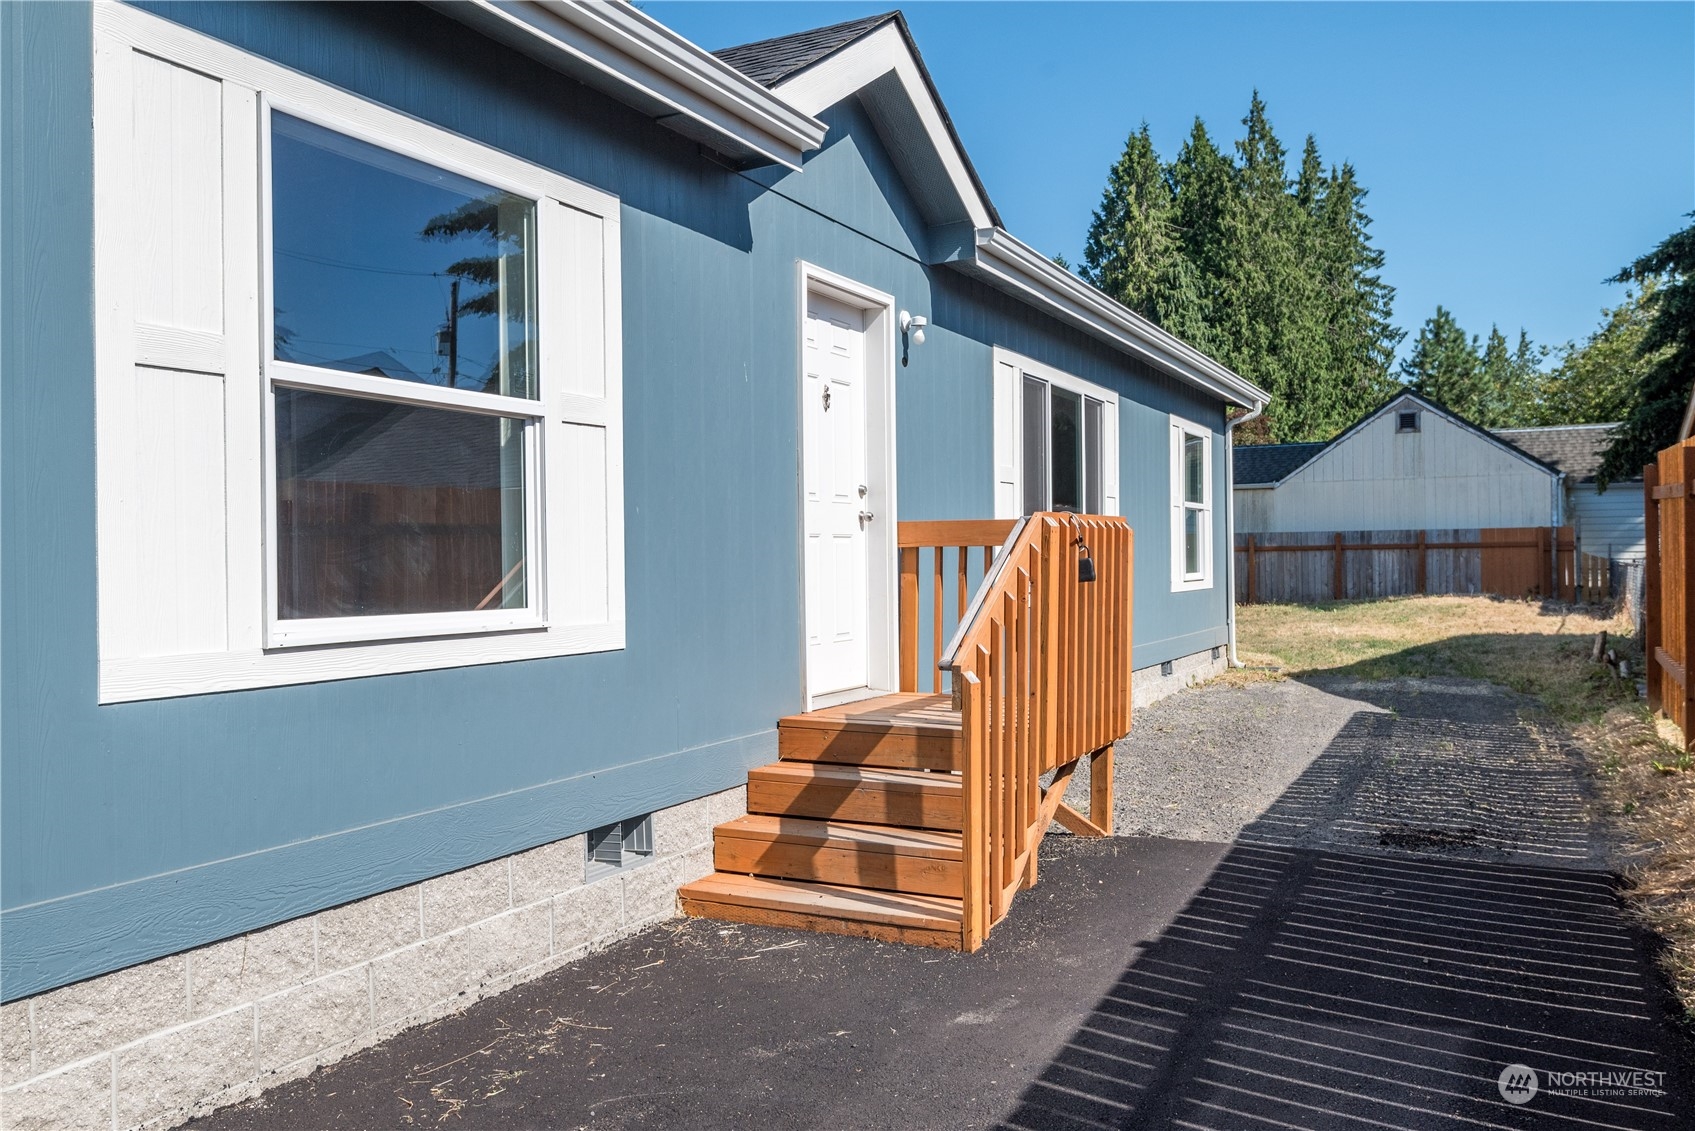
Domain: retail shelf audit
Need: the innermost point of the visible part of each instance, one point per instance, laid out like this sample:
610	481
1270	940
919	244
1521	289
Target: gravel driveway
1432	767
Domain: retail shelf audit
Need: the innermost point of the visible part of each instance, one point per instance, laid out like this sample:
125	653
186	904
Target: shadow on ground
1415	901
1425	903
1319	989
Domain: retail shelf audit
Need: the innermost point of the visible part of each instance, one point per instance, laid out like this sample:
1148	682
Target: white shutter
585	467
162	358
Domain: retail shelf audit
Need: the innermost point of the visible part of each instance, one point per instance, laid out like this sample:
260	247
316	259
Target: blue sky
1517	154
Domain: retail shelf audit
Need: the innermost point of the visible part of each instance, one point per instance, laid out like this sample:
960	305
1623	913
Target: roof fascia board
855	66
623	52
1014	266
1688	425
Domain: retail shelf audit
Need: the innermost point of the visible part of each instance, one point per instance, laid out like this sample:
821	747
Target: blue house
443	441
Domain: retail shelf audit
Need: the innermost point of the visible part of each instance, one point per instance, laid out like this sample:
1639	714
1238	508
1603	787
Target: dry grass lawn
1542	650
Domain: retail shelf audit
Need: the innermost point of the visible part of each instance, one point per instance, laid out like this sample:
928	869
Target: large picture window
405	392
1191	505
358	382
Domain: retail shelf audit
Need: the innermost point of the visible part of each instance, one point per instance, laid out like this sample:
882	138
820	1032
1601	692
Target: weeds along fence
1668	607
1307	567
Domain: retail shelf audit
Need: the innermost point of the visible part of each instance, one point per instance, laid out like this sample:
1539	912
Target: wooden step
912	799
902	731
921	861
925	920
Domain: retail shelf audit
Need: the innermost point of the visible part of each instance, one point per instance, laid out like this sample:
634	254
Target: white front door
836	493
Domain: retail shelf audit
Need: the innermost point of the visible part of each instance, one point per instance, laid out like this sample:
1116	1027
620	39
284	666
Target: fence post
1578	577
1423	562
1541	558
1684	508
1651	583
1339	582
1253	584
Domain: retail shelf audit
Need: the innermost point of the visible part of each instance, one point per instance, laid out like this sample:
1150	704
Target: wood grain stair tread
911	713
888	839
828	901
850	777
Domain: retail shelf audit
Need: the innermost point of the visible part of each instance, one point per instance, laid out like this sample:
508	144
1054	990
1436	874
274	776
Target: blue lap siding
136	830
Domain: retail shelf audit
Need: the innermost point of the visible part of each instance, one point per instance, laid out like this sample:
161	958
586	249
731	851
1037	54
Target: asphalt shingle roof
1575	449
770	61
1267	463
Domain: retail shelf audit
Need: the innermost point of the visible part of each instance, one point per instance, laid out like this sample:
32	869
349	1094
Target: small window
1406	422
1062	449
618	846
1191	506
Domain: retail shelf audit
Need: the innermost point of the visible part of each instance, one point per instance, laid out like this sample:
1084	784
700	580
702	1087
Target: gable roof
1260	465
620	50
1289	461
1576	449
770	61
877	59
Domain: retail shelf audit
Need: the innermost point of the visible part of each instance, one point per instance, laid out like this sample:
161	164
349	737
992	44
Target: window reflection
386	266
388	508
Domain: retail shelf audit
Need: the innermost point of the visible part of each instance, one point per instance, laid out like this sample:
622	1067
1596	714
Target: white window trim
580	413
1181	580
1008	375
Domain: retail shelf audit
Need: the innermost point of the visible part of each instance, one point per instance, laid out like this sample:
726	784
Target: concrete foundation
155	1044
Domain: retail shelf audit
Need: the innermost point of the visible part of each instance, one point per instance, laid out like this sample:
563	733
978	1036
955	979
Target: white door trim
882	580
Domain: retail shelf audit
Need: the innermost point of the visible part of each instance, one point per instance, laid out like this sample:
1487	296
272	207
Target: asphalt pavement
1413	926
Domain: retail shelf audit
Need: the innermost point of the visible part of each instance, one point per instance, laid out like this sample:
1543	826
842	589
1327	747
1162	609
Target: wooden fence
1669	614
1304	568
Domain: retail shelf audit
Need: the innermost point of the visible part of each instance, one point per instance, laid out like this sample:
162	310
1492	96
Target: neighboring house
1609	524
1413	465
1687	428
338	692
1409	465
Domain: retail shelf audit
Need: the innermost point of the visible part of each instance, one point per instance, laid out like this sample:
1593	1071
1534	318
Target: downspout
1230	528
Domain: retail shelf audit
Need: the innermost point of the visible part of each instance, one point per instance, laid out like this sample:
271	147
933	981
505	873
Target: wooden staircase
855	831
916	817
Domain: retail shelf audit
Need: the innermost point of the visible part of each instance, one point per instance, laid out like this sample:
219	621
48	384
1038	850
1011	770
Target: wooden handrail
949	546
1042	668
981	597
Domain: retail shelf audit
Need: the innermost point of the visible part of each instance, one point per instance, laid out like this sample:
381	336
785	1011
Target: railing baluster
1040	666
964	595
937	642
909	618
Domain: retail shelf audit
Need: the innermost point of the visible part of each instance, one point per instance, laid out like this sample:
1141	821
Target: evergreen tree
1443	364
1309	183
1362	335
1668	347
1204	184
1133	251
1275	277
1595	382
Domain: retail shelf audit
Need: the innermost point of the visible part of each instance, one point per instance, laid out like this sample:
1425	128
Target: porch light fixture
911	333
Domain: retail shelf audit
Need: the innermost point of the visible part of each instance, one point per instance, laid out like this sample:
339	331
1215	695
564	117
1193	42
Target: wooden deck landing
914	711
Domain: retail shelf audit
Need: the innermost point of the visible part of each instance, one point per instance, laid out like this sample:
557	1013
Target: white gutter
1230	529
1018	268
622	51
